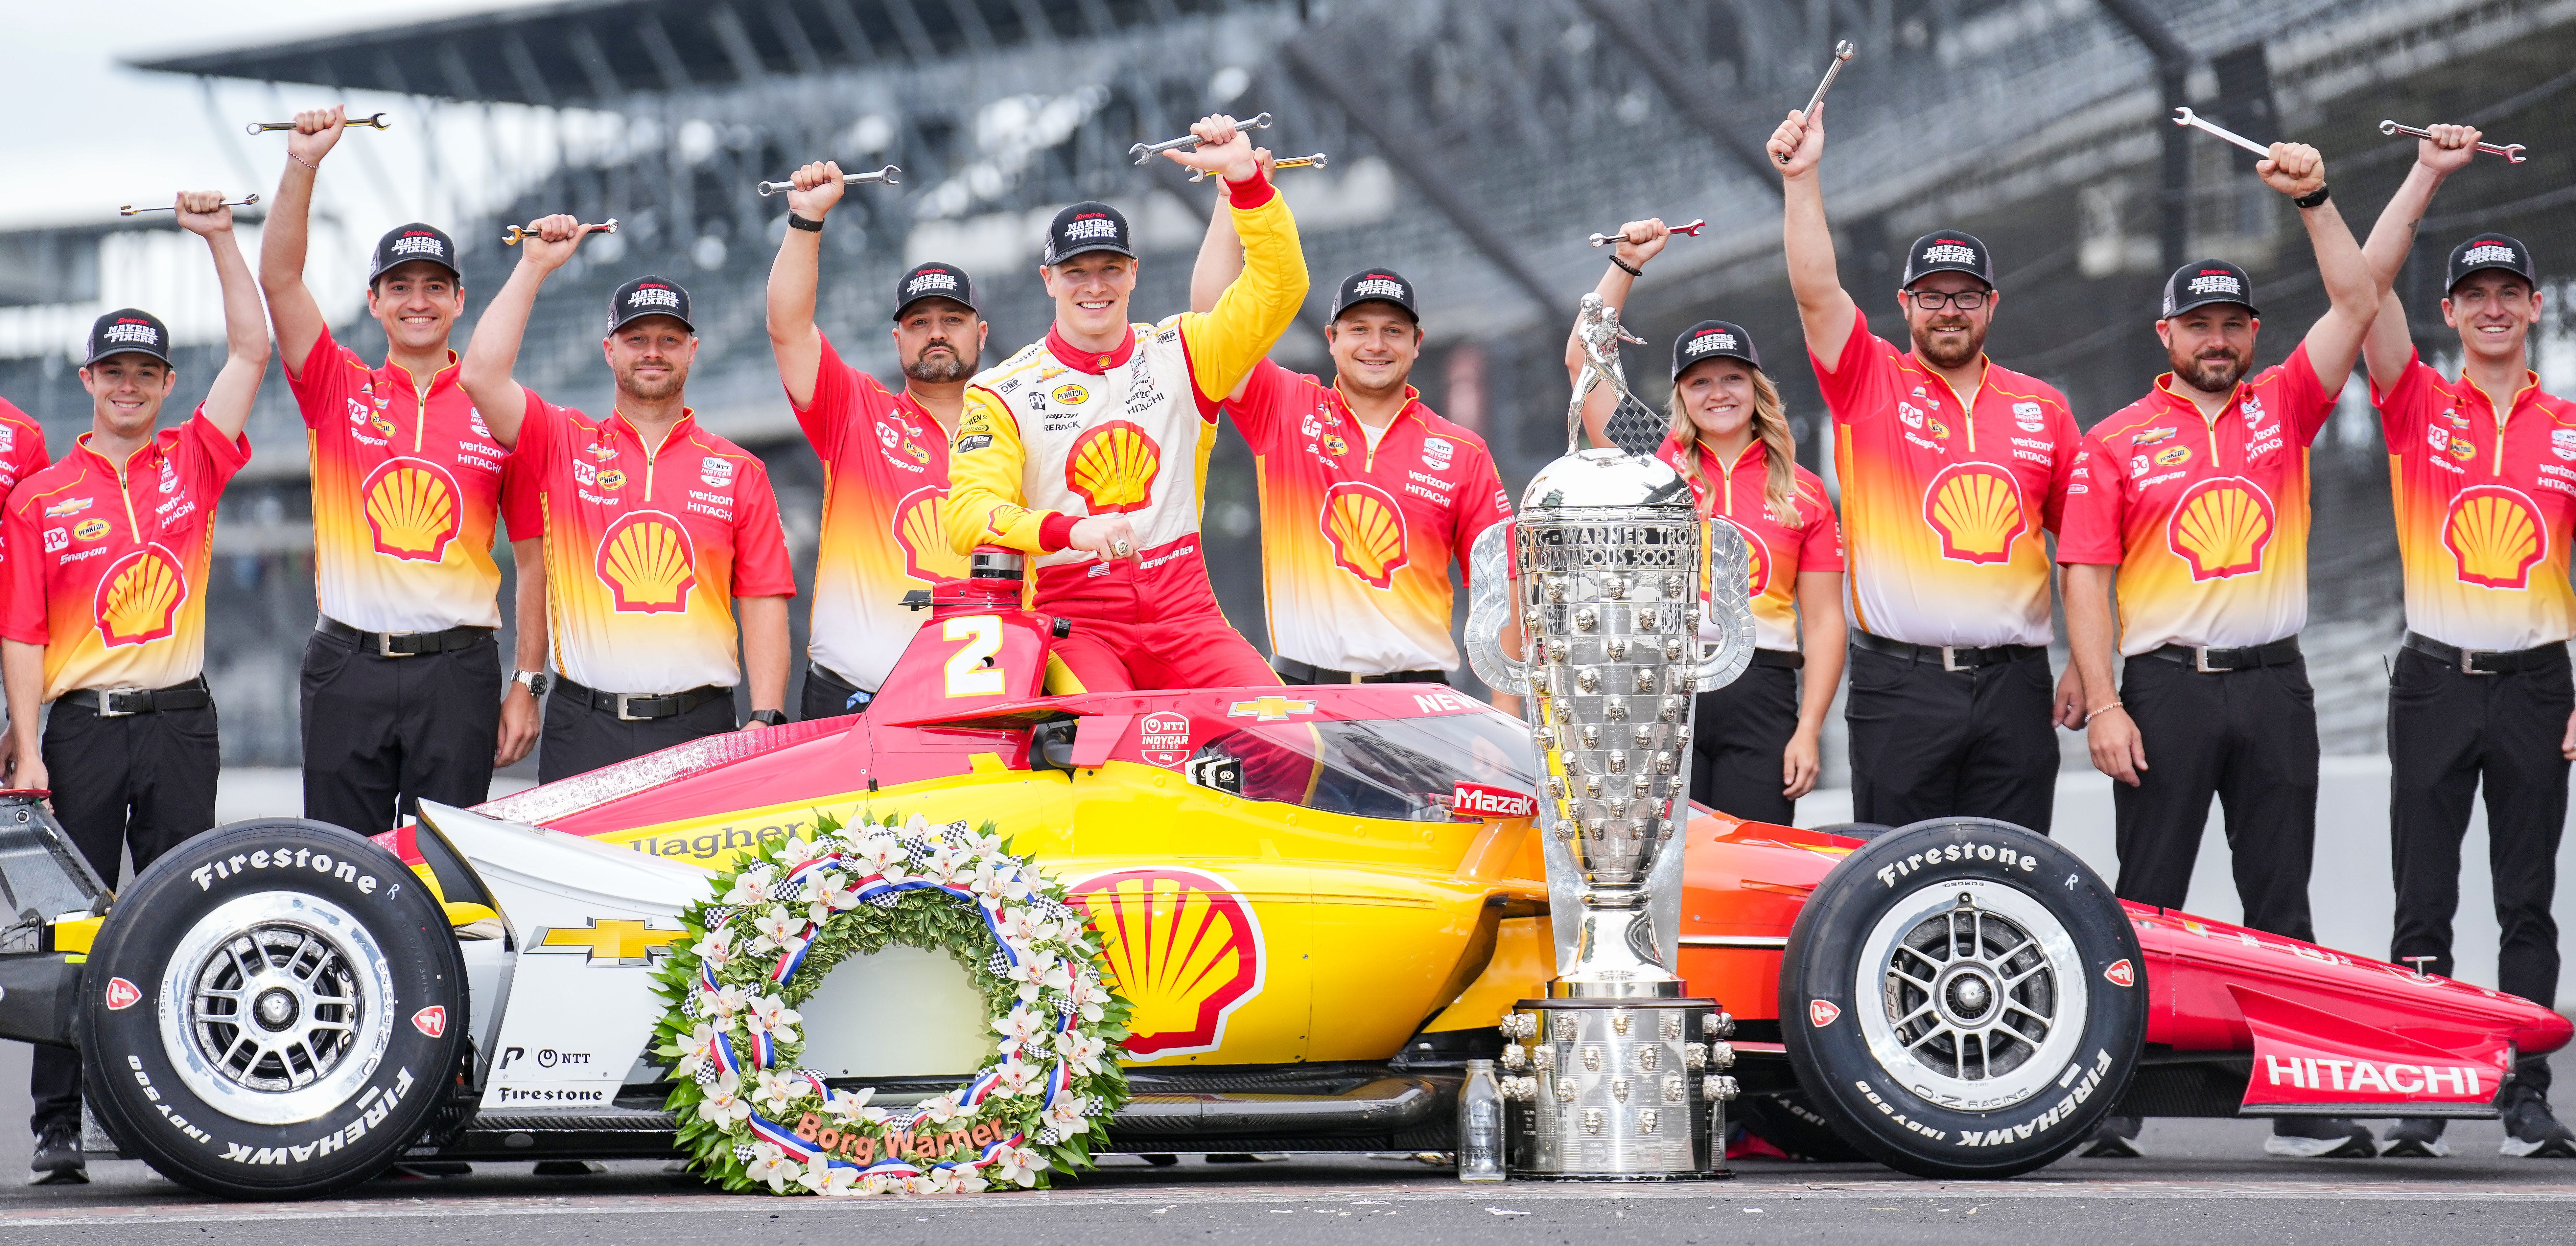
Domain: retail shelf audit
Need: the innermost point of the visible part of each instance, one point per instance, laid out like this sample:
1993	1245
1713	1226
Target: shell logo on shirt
1366	528
2220	528
2495	535
648	561
1112	468
412	509
1186	949
139	597
917	528
1976	507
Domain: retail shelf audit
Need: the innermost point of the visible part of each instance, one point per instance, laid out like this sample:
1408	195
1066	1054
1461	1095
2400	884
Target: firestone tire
272	1011
1962	998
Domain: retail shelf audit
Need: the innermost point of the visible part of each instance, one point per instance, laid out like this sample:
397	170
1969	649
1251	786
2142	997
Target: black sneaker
58	1156
2115	1138
2320	1137
2417	1138
2530	1132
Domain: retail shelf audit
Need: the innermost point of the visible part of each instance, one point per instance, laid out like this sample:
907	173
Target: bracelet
797	222
1633	270
2114	705
302	161
2312	198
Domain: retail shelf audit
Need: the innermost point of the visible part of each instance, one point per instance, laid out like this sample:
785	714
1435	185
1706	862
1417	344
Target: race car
1319	902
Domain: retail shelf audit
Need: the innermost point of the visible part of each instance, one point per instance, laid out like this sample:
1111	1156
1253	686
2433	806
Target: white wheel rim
1970	994
276	1007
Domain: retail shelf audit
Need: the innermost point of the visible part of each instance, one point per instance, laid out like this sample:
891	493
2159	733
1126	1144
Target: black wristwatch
2312	198
536	682
797	222
770	718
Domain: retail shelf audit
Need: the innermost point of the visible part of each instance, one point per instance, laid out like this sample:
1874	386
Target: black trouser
581	738
1300	674
1738	734
382	734
1930	743
139	782
829	696
2446	729
2248	737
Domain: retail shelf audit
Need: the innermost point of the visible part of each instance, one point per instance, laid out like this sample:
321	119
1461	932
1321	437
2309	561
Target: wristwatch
770	718
536	682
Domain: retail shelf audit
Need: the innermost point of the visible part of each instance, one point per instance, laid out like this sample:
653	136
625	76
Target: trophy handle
1489	612
1728	608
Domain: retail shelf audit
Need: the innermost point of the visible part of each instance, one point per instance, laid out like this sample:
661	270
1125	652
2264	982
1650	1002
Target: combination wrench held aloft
376	122
2512	152
2187	118
131	210
510	237
1147	151
1842	54
1316	161
1687	231
882	177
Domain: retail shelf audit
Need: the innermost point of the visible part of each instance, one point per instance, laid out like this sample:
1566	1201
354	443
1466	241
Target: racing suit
1054	435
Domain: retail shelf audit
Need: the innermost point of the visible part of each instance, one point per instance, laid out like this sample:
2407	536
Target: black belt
1291	668
402	644
636	707
2488	661
1951	657
125	702
2281	652
1789	658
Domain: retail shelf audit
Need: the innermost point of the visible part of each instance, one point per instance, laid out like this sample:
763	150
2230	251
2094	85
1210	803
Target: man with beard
885	456
655	529
2194	499
1950	467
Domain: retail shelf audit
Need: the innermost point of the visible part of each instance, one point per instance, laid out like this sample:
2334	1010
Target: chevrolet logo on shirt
614	941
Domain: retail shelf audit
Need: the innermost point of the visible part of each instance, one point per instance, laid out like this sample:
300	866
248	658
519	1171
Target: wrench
2185	117
131	210
511	236
376	122
882	177
1147	151
1842	53
2512	152
1315	161
1691	230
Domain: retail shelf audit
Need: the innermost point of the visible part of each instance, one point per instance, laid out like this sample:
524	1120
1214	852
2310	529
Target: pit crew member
401	688
1950	466
2193	503
1090	448
655	529
105	614
885	455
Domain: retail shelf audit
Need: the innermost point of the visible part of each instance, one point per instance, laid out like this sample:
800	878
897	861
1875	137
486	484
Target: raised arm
291	307
1639	241
1262	302
227	405
1825	310
1220	261
2390	346
793	277
492	357
2334	341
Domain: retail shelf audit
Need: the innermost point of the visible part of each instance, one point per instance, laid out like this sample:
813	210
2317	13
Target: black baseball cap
935	280
1713	339
128	330
1948	251
2208	281
404	243
1087	227
648	296
2484	251
1375	285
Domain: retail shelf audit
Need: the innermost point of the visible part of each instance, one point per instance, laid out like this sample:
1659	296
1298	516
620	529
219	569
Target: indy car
1319	901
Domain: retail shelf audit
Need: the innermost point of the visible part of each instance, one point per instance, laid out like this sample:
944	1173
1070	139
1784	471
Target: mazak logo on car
1478	800
1164	738
122	995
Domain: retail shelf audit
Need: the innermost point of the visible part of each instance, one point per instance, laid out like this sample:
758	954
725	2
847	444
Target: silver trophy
1614	1073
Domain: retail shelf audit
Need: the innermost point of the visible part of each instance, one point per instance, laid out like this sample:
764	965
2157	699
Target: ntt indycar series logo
1476	800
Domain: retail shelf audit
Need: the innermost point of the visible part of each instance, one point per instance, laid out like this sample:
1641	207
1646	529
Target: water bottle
1480	1124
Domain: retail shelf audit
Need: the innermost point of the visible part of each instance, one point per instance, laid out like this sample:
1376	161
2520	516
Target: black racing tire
1961	998
1854	830
272	1011
1792	1123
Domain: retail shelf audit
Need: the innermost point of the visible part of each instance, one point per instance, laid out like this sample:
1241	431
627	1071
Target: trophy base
1619	1093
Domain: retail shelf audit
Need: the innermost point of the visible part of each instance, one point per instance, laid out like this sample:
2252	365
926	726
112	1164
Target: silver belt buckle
1950	658
2200	662
107	702
385	646
2468	657
625	699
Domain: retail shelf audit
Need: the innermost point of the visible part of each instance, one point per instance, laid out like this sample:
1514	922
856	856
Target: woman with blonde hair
1755	741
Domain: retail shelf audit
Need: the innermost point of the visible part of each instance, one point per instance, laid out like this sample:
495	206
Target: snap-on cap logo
2489	253
122	995
431	1020
1821	1014
2121	973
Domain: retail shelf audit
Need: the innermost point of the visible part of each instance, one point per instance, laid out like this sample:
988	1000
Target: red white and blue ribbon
794	957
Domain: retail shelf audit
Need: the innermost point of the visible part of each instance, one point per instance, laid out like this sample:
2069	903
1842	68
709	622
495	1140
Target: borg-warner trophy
1615	1075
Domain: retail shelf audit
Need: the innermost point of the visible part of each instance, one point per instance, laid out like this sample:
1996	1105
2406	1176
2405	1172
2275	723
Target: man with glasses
1950	468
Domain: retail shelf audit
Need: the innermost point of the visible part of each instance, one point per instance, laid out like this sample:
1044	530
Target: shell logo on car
411	509
648	561
1112	468
1976	507
917	528
2221	527
2495	536
1366	529
139	597
1184	948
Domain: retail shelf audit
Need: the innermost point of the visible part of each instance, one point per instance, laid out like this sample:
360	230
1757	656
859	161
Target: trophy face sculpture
1602	573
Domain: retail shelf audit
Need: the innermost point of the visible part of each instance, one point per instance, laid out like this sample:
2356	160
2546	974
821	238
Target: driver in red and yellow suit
1090	449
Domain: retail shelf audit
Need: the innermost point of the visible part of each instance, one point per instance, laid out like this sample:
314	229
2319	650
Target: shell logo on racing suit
646	557
412	509
1112	468
1185	948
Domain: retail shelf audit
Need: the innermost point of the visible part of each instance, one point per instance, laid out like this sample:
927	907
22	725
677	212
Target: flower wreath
795	908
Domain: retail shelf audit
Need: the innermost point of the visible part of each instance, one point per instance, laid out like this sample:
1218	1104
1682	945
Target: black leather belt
2281	652
2488	661
126	702
1790	658
1951	657
637	707
402	644
1291	668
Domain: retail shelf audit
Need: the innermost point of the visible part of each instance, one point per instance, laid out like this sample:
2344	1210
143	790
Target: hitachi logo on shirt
2489	253
930	281
1707	342
1086	228
418	244
653	296
1949	253
2216	283
1379	287
133	331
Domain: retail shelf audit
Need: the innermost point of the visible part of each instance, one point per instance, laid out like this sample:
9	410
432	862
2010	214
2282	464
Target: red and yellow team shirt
885	473
2206	517
647	547
406	484
1783	547
2485	503
107	561
22	447
1945	495
1356	540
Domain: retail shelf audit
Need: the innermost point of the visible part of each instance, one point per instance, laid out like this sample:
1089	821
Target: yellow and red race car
1318	901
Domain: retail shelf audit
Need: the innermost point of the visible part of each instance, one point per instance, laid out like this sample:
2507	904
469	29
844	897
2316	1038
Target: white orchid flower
798	850
725	1003
1038	970
775	1091
698	1048
716	948
770	1166
824	1177
919	825
998	883
940	1110
1087	993
1015	1080
1082	1051
751	886
779	926
724	1106
980	844
774	1012
1024	1033
970	1180
1017	927
1018	1165
950	865
850	1104
1068	1114
879	851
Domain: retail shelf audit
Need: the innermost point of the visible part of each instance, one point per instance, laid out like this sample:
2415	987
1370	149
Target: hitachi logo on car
418	244
301	859
2315	1072
2490	253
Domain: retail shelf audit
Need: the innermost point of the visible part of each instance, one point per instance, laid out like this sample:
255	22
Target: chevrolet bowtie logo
616	941
1270	709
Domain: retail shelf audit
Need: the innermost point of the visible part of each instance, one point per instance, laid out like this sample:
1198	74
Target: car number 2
971	670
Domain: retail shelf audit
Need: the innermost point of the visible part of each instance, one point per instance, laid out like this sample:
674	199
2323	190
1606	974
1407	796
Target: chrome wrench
2512	152
882	177
1147	151
1842	54
1688	231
